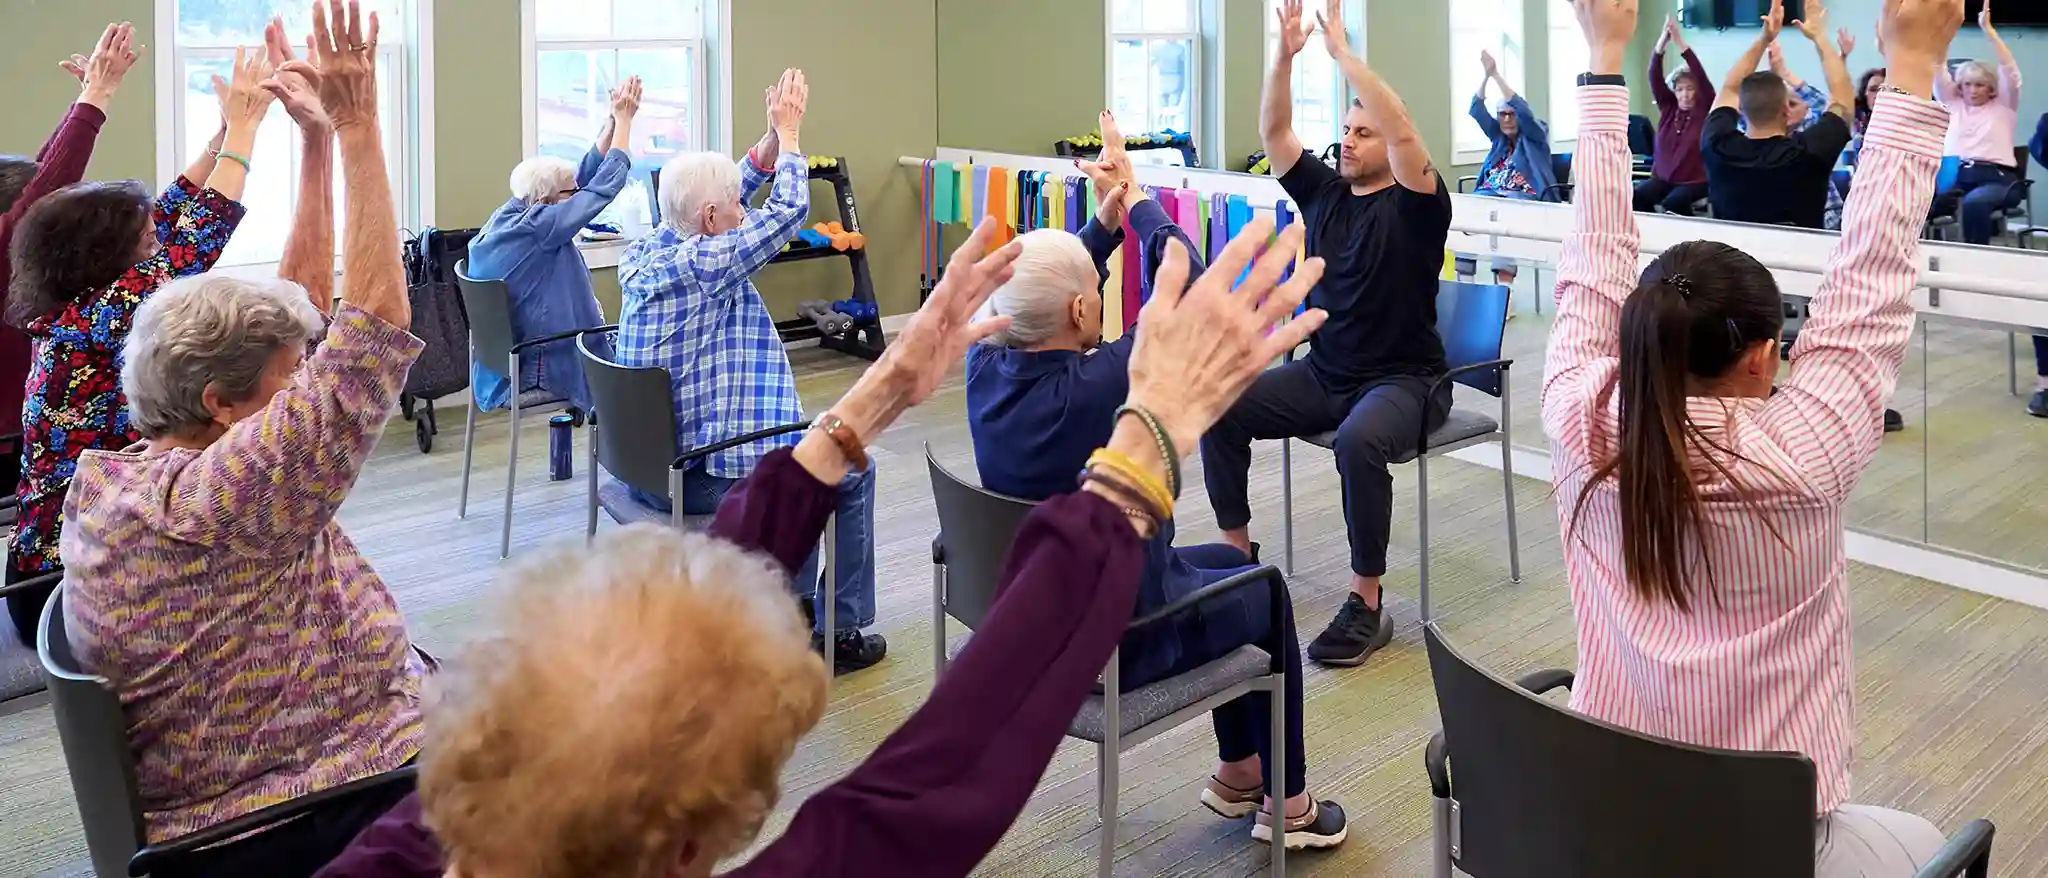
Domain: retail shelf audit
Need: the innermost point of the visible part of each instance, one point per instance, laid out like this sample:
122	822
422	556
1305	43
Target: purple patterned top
257	655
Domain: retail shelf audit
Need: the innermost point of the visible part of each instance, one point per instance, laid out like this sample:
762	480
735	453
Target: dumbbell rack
864	340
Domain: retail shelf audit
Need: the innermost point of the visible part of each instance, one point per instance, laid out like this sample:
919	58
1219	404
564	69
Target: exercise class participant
1768	173
1517	164
1702	513
1379	221
1677	177
1984	118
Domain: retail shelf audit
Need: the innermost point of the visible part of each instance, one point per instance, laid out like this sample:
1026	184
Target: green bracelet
1167	452
236	157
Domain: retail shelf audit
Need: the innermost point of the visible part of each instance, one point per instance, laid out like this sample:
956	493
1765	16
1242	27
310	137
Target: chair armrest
696	454
1968	852
561	336
1436	759
1539	682
1558	192
1463	187
157	856
1422	437
1214	589
51	578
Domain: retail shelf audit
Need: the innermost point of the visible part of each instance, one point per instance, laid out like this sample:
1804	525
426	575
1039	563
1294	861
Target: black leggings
26	607
1677	198
296	849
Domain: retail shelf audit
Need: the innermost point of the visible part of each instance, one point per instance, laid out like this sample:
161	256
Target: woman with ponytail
1703	511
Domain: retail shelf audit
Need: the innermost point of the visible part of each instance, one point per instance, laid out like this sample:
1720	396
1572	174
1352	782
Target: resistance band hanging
1219	225
979	206
1077	205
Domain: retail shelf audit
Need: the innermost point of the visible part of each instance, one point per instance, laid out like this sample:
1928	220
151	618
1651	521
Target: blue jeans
1984	188
853	526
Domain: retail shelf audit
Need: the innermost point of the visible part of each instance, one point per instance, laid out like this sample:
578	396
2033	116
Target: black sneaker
1893	421
1323	827
1353	635
854	651
2038	405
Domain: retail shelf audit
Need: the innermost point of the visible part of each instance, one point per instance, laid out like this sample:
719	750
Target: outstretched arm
1276	108
1731	85
1384	110
309	251
2008	69
1841	99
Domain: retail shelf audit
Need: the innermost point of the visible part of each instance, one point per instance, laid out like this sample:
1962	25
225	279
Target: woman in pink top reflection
1703	512
1984	116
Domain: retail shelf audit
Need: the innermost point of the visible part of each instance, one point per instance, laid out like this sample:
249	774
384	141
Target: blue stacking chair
1470	317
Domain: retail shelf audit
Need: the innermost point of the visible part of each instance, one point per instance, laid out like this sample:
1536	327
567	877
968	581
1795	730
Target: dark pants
1376	424
1984	188
296	849
1210	631
2041	355
26	607
1677	198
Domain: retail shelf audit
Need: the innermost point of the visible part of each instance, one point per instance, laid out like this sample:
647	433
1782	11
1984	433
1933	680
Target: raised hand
1488	65
1845	41
243	99
1607	25
786	117
936	338
1774	21
1331	21
1914	36
1203	344
626	98
1776	55
1293	31
1815	23
100	75
1111	173
1984	19
343	63
301	98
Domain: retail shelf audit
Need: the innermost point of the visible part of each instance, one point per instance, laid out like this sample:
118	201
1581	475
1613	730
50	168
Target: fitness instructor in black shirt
1771	174
1379	222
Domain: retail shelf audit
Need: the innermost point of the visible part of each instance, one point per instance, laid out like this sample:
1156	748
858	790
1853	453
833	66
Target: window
581	49
203	35
1568	59
1481	25
1320	92
1155	69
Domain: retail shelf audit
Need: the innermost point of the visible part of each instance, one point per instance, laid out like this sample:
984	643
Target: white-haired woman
1984	118
1042	395
257	656
530	244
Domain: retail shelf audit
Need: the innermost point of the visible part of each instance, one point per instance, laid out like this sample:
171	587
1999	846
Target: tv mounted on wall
2013	13
1741	13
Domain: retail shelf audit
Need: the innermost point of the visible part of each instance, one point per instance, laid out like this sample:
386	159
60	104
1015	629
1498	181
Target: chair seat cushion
21	673
1155	701
617	501
1459	426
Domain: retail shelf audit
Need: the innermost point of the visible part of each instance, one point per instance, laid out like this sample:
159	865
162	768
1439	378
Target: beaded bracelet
1167	452
1130	496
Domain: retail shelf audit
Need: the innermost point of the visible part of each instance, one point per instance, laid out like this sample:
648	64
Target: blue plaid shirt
690	306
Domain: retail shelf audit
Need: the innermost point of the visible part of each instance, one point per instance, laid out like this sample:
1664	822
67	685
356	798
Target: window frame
706	134
1196	74
1517	73
1563	103
409	144
1354	13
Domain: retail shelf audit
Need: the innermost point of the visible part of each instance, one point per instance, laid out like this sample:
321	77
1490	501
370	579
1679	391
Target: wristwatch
1602	79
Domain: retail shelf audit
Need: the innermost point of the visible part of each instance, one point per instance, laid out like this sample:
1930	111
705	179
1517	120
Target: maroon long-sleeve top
943	788
61	163
1678	131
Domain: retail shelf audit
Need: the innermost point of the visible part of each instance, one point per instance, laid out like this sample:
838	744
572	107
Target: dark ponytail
1699	308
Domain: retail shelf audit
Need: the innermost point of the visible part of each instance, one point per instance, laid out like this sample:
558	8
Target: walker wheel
424	432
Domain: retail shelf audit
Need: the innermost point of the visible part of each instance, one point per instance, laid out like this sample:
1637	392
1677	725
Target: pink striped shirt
1761	663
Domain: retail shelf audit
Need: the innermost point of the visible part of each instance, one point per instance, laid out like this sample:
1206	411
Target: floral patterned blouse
257	655
74	399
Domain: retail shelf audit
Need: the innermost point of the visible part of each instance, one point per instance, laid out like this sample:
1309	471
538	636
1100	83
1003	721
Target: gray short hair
1052	269
692	180
1977	69
541	177
210	330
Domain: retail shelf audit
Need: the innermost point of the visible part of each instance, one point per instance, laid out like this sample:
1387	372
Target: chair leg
1287	503
590	526
511	466
468	451
1106	804
831	590
938	621
1440	866
2012	358
1422	528
1507	476
1277	708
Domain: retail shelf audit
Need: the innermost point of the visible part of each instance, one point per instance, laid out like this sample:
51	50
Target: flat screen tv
2016	13
1739	13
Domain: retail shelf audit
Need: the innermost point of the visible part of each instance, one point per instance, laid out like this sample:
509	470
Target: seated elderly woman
256	655
507	788
1517	164
530	244
85	257
1041	395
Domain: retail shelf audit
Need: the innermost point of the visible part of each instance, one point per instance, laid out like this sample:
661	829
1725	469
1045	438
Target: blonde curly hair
634	705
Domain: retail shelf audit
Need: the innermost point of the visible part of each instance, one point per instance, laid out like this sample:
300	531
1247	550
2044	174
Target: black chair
1561	170
1542	791
976	528
636	444
1642	142
93	732
492	343
1471	318
21	672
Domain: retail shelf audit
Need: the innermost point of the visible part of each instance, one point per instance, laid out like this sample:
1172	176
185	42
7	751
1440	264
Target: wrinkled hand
936	338
1815	23
243	99
1331	21
1607	25
1293	31
792	98
301	98
343	63
111	59
626	98
1203	344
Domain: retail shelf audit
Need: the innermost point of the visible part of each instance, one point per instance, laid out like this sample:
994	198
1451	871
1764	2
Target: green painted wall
1244	81
37	35
1016	76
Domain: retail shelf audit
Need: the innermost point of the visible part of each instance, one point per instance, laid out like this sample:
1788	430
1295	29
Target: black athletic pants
295	849
1376	424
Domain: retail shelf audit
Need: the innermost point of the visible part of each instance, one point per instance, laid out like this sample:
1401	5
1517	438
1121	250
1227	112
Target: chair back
1561	166
1543	791
976	528
94	734
1642	136
489	305
636	423
2019	160
1470	317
